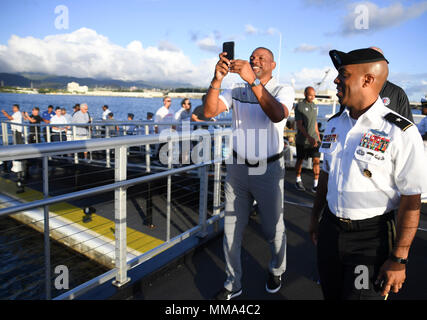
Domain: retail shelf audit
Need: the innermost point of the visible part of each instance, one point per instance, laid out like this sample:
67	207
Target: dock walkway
200	275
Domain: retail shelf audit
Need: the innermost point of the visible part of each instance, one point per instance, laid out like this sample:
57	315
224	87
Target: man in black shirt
395	98
199	114
35	118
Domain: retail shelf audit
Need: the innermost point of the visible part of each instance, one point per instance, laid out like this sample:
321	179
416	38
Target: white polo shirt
17	117
58	120
254	133
371	161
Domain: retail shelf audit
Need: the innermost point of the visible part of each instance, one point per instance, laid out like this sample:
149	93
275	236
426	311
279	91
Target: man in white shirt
373	164
260	107
16	117
105	112
58	132
164	114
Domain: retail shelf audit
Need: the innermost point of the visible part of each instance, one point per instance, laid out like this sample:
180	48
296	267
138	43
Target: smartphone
229	48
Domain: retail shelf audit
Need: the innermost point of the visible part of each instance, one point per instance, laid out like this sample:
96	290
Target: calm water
22	272
120	106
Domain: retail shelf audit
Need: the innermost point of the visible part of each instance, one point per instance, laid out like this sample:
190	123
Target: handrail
120	185
26	151
132	122
101	189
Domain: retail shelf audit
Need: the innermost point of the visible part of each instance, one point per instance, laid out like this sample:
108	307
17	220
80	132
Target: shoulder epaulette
337	114
399	121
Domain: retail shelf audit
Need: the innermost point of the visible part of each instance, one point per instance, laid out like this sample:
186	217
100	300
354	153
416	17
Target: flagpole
280	54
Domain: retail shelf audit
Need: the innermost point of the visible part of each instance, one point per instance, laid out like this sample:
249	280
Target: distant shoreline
104	93
130	94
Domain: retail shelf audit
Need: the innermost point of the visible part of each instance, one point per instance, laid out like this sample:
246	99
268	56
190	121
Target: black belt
359	224
270	159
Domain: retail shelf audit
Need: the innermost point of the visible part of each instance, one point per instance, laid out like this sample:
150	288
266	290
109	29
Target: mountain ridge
41	80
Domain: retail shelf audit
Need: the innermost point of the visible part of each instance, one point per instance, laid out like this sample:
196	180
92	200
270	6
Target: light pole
280	54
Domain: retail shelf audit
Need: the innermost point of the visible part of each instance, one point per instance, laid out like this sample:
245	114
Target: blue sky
179	40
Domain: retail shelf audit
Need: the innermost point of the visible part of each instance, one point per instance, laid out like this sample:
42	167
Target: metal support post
169	193
107	152
5	133
25	134
46	228
203	200
120	218
76	155
147	151
217	174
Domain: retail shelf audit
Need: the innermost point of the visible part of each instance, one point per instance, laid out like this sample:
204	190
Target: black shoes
274	283
299	186
225	294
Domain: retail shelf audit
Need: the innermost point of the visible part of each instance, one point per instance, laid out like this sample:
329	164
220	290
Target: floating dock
93	236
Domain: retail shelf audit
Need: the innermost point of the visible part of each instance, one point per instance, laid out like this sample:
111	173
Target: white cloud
167	46
311	77
250	29
85	53
380	18
306	48
414	85
209	44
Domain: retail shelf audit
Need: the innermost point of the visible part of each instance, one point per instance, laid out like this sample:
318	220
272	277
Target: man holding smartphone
260	107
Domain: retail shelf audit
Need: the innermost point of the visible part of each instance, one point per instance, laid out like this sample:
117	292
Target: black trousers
18	137
349	252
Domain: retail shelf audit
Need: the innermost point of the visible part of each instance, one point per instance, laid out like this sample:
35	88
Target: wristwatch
256	83
398	260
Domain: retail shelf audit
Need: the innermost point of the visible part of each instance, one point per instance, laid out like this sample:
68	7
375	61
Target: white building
74	87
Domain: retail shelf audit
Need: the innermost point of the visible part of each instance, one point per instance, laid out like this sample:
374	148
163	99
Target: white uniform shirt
253	131
371	163
17	117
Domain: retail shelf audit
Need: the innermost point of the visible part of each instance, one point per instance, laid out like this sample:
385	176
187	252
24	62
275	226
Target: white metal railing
119	186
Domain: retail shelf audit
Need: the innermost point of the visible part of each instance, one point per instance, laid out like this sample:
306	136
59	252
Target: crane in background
318	84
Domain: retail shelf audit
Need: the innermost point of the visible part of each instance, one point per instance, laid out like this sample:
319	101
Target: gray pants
241	189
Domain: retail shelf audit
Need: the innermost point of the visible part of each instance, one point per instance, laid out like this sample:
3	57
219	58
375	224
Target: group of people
367	192
165	115
57	117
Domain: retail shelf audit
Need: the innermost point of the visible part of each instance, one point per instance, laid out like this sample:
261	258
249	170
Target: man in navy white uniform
260	107
373	164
